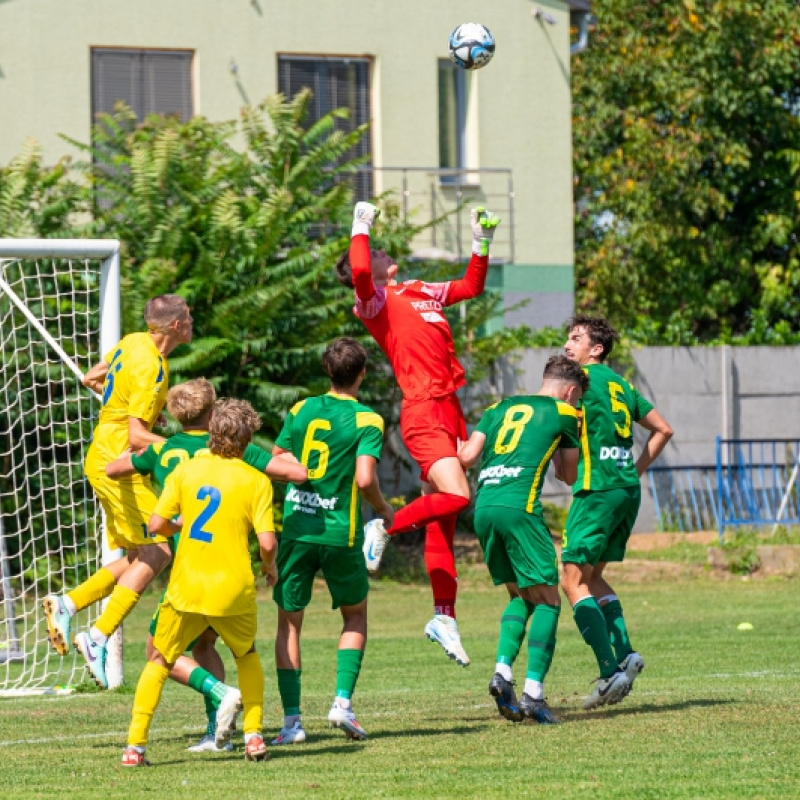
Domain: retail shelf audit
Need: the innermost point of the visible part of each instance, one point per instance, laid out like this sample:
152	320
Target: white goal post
59	313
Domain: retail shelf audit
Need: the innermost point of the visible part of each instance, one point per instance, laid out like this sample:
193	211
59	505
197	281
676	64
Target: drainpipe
585	19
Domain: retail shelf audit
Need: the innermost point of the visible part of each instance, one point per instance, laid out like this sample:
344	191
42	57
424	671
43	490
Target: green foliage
687	161
741	554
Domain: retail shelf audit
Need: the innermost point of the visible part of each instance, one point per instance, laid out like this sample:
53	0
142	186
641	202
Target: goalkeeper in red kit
406	321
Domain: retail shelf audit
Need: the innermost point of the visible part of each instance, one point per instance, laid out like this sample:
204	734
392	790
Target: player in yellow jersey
133	379
221	499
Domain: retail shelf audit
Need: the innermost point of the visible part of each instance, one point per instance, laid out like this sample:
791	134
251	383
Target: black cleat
537	710
503	693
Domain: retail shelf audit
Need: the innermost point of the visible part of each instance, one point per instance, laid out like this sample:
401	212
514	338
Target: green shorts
599	525
343	568
154	623
517	546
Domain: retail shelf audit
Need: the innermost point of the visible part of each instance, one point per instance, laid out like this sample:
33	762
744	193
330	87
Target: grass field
715	714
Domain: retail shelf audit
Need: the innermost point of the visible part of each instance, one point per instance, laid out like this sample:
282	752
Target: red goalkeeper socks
425	509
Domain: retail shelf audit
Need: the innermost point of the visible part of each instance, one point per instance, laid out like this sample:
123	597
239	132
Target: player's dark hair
344	272
343	360
161	311
599	330
561	368
231	427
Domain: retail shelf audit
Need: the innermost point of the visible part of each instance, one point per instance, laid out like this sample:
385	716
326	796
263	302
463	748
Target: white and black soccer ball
471	45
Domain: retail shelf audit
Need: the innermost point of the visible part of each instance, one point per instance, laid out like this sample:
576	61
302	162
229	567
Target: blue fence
685	498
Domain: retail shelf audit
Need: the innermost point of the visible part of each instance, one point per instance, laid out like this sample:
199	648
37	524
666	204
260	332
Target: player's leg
346	575
585	536
238	632
175	631
297	564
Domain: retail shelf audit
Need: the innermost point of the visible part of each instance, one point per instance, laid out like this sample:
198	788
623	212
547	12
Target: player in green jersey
339	440
191	403
606	501
516	440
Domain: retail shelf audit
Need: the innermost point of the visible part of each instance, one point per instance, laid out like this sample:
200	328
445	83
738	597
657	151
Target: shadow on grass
644	708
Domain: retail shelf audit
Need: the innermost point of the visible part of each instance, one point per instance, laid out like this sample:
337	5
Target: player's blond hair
190	402
160	312
232	426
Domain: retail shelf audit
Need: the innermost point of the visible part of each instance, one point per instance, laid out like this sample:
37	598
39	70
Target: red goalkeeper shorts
431	430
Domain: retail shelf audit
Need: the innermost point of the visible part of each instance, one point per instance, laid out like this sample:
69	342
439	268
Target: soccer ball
471	45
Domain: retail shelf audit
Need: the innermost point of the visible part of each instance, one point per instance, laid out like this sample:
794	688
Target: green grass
713	715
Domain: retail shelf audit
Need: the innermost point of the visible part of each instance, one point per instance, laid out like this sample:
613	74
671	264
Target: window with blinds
335	83
149	81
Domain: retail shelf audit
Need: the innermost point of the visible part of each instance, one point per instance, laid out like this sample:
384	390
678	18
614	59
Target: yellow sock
251	685
120	604
97	587
145	701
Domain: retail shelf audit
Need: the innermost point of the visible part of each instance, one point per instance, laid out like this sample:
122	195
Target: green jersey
522	434
610	407
327	434
161	458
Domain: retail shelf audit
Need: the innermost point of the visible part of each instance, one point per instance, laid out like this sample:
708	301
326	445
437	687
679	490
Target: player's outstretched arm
660	434
364	216
139	436
285	467
268	545
484	224
367	480
121	467
472	449
95	377
161	526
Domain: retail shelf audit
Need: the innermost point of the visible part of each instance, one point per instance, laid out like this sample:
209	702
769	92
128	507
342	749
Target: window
335	83
452	117
149	81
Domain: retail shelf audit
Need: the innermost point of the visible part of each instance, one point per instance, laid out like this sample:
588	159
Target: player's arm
268	545
472	449
162	526
660	434
285	467
368	485
95	377
121	467
364	215
565	462
139	436
484	224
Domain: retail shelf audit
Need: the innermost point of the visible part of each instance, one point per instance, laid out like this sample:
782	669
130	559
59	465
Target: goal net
59	312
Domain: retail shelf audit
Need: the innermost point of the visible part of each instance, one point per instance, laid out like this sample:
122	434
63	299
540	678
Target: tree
686	127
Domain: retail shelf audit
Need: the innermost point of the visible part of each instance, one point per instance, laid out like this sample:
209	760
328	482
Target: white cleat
294	734
345	719
208	744
230	708
375	541
444	631
608	690
631	665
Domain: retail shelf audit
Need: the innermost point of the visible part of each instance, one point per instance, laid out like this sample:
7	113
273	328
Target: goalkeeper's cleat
255	749
505	697
229	708
59	621
95	656
365	214
631	665
537	710
444	631
345	719
208	744
375	541
608	690
133	757
294	734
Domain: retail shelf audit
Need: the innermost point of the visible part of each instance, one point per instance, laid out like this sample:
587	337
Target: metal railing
684	498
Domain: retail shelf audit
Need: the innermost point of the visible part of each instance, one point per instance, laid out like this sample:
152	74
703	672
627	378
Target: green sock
348	665
592	625
211	715
512	629
289	689
542	641
617	631
201	680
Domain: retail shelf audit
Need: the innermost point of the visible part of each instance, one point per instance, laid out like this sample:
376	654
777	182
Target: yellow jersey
136	386
221	501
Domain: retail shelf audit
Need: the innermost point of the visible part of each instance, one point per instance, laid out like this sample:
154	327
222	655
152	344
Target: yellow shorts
128	504
176	629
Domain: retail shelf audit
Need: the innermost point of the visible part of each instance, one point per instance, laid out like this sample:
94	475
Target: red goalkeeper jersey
408	324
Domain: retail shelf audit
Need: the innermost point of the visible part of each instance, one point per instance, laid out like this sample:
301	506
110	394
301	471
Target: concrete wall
523	119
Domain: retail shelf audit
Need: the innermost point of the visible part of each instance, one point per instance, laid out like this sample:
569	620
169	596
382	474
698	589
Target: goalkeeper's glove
483	226
364	214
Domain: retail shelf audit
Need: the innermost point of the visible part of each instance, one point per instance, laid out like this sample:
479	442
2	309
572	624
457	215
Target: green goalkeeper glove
483	226
364	214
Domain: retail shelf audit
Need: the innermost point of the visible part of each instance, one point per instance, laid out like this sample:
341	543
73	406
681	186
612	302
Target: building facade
439	136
